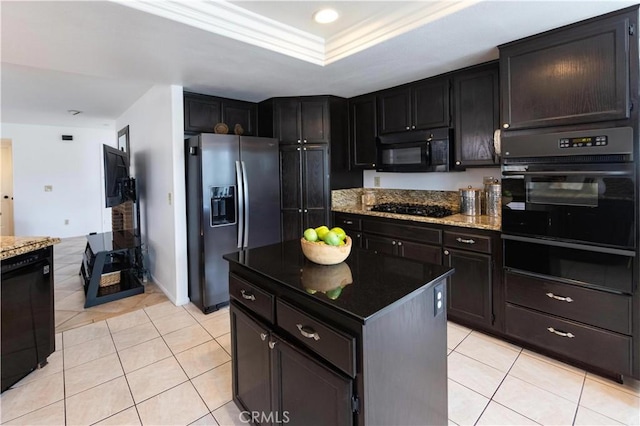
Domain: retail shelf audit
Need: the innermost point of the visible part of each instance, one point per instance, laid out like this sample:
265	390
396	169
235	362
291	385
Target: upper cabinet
203	112
476	115
573	75
301	120
362	132
420	105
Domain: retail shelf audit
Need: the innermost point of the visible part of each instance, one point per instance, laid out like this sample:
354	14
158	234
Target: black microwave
421	151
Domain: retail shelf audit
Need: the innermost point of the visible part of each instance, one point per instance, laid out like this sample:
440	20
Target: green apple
310	234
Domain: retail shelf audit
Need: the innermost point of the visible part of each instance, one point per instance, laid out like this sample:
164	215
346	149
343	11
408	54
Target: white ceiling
100	56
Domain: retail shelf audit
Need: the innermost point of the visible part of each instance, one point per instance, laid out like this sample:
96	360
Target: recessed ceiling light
325	16
73	111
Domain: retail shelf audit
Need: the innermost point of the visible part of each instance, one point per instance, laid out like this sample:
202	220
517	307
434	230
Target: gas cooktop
429	210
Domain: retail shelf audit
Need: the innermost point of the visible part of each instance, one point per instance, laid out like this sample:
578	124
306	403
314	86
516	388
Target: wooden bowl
324	254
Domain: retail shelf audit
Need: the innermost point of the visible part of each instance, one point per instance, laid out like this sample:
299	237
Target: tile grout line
125	377
575	415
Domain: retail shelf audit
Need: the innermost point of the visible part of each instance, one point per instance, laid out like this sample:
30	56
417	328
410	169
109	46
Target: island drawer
473	242
333	345
594	346
252	297
571	302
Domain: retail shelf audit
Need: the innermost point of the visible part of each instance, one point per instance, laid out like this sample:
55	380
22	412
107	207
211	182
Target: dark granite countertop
363	286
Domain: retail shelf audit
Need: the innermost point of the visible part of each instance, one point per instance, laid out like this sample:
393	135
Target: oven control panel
583	141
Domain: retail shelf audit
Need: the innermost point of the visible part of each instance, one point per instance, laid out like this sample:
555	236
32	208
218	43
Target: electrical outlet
376	181
66	221
48	188
169	198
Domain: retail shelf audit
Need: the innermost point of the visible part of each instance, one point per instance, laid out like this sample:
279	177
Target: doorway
6	188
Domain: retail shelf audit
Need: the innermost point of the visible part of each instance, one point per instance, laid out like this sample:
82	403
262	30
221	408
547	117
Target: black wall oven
569	207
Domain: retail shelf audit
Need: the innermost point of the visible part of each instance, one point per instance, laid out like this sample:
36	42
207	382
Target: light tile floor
69	294
164	364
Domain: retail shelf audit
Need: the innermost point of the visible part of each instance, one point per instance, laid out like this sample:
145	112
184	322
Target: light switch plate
48	188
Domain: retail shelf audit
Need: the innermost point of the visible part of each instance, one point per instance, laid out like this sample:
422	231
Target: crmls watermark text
264	417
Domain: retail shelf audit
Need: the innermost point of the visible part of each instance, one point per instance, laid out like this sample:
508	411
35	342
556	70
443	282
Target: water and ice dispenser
223	205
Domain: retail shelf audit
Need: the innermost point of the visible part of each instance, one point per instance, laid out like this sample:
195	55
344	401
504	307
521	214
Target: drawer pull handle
560	333
247	296
272	344
564	299
308	334
263	336
348	222
463	241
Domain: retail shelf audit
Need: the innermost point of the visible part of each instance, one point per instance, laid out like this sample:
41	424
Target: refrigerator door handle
245	200
241	203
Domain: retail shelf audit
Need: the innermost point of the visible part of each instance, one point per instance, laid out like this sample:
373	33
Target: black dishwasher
27	314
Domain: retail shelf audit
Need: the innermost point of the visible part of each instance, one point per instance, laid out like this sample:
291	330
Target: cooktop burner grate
429	210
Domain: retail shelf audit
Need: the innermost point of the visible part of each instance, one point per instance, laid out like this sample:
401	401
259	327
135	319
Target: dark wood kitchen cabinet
572	75
476	115
471	289
362	132
304	190
413	242
352	226
420	105
272	376
314	156
203	112
301	120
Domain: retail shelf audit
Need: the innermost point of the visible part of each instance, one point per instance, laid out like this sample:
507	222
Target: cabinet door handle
299	141
263	336
247	296
298	149
407	128
564	299
560	333
399	243
505	126
272	344
446	252
308	332
347	222
463	241
304	141
413	127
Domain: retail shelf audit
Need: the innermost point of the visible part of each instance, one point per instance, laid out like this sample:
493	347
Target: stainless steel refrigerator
233	203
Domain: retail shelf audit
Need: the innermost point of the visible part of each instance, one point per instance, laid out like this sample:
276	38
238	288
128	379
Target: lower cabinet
469	295
306	392
277	383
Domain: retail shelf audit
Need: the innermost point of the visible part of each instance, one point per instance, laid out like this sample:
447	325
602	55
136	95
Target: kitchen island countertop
369	283
490	223
12	246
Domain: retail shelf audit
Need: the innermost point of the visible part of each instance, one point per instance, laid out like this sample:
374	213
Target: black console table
113	259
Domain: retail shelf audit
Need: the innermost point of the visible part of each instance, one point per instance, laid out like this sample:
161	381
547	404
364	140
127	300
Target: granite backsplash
353	197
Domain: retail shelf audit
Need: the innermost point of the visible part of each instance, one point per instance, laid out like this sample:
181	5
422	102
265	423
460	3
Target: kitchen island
362	342
27	305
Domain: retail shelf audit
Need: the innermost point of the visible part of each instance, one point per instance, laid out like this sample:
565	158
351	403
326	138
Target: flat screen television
116	176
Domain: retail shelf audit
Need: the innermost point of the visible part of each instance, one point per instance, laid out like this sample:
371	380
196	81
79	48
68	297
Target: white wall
74	169
156	140
451	181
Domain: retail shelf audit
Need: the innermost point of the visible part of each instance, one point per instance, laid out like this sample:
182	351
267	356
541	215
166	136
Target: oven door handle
568	173
563	244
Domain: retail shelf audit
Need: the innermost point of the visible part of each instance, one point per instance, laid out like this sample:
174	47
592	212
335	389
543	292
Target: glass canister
493	198
471	201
